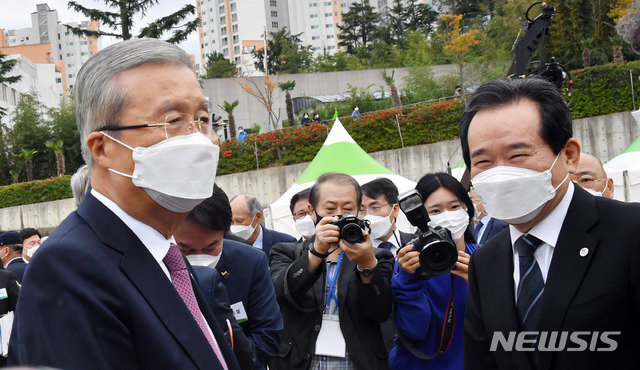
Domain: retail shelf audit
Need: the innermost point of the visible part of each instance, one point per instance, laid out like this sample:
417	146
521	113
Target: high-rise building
49	41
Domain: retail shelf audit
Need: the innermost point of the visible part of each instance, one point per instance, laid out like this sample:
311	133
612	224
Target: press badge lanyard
332	282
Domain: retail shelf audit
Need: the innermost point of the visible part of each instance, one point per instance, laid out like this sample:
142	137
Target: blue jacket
420	310
245	274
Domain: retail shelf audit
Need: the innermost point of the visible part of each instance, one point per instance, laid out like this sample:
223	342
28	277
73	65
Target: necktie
182	283
385	245
476	231
531	284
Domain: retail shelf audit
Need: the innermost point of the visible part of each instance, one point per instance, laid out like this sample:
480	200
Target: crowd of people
532	268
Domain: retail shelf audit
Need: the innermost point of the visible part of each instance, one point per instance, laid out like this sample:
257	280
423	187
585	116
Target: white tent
625	171
339	153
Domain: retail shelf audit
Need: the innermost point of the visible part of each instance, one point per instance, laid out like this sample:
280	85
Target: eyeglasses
299	214
588	182
175	124
373	210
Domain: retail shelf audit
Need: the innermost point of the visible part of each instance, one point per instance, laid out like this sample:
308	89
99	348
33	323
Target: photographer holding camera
430	287
333	289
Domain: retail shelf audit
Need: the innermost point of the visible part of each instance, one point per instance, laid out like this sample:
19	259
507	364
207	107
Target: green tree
286	87
28	154
229	107
285	54
6	66
30	131
219	67
121	20
358	26
390	81
459	44
57	146
62	126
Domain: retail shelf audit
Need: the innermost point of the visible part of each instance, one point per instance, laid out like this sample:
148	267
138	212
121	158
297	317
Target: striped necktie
531	284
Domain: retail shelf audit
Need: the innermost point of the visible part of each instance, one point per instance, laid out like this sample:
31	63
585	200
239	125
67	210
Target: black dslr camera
351	228
438	252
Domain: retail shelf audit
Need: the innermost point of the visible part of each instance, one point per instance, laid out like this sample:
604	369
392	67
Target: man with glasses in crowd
111	288
590	176
304	219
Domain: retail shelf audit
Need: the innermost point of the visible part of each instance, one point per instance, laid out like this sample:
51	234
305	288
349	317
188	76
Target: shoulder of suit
279	236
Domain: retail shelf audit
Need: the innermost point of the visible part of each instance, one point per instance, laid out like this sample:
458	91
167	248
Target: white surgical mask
243	231
204	260
593	192
380	225
455	221
178	173
32	250
515	195
305	226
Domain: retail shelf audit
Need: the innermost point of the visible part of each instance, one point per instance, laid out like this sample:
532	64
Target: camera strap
447	330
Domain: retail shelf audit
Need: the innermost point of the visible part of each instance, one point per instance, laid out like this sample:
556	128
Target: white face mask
593	192
380	225
243	231
177	173
204	260
456	221
306	227
32	250
515	195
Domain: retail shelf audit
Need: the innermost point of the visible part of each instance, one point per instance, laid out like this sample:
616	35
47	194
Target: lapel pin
225	274
584	252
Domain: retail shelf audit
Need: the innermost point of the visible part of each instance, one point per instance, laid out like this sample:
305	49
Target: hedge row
35	191
597	90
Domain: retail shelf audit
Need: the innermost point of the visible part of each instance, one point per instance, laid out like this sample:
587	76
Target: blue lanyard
332	282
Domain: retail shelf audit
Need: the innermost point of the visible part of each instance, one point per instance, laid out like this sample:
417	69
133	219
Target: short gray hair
81	184
253	205
99	98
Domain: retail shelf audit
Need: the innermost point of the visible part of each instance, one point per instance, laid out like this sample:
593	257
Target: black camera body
351	228
438	251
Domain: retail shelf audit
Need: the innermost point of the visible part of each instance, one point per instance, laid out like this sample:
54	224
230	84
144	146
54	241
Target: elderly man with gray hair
246	224
110	289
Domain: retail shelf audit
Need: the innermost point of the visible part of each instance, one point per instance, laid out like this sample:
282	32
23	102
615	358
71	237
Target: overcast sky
17	14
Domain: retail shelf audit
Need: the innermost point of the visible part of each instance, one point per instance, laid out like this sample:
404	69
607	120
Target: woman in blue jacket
420	304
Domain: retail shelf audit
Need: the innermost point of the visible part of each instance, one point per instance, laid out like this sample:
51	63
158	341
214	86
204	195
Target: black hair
304	194
381	186
434	181
214	213
29	232
336	178
555	127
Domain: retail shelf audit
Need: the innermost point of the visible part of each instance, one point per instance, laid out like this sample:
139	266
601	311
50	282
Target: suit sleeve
292	280
79	295
476	342
375	297
13	292
265	321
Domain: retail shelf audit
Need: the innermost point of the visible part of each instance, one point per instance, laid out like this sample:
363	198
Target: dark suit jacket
17	267
216	295
362	307
493	228
8	303
272	237
594	291
93	297
245	274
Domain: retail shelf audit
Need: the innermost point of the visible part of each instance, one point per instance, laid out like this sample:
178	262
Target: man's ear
572	152
609	186
96	144
259	217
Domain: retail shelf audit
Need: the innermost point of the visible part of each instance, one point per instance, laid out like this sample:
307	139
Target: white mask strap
120	173
119	142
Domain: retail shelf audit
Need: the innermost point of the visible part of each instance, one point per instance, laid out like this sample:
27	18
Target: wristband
318	254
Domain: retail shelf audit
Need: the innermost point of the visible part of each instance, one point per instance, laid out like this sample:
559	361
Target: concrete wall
250	111
603	136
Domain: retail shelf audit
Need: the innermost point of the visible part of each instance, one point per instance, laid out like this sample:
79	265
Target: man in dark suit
333	294
9	286
11	247
561	288
243	270
247	224
487	226
110	289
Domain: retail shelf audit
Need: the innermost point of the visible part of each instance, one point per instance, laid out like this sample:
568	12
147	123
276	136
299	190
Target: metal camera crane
535	32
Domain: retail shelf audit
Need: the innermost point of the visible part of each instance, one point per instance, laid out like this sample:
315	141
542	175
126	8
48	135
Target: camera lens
439	257
352	233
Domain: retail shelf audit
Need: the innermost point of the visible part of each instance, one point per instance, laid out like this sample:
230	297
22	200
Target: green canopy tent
625	171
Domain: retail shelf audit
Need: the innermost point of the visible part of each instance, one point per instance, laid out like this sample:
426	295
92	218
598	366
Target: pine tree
358	26
122	19
6	66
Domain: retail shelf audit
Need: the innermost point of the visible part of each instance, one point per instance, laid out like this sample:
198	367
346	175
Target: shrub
36	191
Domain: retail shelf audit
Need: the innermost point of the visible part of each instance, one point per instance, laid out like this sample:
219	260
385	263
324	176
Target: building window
234	17
327	3
90	53
315	37
234	28
223	19
327	14
315	26
224	41
58	80
335	14
330	25
84	53
237	59
273	3
274	25
235	39
233	7
221	9
274	14
313	5
223	29
331	36
331	47
90	42
313	16
236	49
